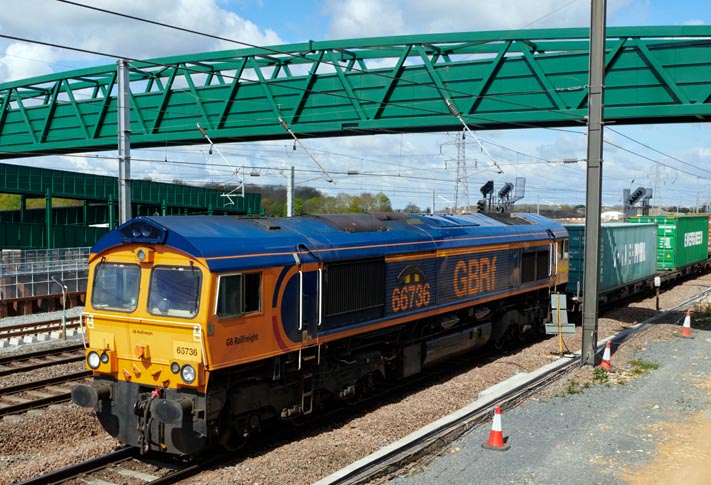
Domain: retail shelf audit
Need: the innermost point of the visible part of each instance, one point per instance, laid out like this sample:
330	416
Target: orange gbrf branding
474	276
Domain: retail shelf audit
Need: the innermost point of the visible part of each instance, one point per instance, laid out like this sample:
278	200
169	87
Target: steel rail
88	466
84	469
39	402
45	326
43	358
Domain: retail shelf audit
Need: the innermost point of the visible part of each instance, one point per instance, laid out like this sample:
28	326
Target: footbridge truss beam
494	80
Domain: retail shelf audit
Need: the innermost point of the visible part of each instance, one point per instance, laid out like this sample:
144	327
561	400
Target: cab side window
563	249
238	294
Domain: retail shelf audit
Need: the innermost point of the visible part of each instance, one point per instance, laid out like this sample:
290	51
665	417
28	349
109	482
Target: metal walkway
498	79
72	226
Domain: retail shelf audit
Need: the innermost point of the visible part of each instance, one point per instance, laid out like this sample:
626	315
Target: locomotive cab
144	343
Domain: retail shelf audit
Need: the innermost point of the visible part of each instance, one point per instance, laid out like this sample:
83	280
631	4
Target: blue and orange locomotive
201	328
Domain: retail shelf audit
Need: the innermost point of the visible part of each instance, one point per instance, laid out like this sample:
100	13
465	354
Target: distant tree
267	206
383	203
412	208
306	193
313	206
298	207
367	202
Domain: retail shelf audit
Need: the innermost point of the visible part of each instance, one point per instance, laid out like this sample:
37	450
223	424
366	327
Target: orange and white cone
686	328
606	364
496	437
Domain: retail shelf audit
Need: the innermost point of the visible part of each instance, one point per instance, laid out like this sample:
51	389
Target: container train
200	329
633	255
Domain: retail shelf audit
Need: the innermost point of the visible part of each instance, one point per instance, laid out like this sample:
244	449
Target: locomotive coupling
89	396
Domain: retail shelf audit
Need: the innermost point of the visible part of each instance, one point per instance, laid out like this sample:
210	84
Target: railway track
43	358
38	394
37	328
125	466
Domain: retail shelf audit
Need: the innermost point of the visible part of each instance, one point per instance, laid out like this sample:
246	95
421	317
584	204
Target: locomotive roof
229	243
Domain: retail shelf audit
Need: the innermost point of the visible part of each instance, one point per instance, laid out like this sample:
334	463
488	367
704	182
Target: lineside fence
37	274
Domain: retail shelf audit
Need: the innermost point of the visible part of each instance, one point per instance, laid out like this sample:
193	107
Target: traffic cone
496	437
686	328
605	364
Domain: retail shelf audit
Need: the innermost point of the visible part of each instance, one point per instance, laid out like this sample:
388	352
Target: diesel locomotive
201	328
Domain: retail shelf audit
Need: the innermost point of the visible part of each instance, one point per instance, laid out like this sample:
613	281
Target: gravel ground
37	442
39	317
609	433
45	373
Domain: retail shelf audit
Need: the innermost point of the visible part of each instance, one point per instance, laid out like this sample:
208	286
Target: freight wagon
682	241
627	260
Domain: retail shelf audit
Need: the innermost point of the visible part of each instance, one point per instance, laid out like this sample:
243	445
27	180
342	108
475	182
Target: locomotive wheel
520	334
500	342
236	436
233	441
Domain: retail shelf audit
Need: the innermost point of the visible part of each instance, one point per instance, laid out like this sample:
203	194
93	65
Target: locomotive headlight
188	374
174	367
104	358
140	255
93	360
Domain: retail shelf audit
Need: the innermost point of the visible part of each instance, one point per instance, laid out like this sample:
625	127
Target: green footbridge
418	83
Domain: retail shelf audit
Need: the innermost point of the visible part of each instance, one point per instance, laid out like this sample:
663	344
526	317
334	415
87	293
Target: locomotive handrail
301	299
320	295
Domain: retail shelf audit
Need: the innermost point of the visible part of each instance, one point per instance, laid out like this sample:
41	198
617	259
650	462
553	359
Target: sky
415	169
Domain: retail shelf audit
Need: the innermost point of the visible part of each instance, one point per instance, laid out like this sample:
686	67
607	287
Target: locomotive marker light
93	360
188	373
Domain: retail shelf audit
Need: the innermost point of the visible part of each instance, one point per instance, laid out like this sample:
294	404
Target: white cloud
365	18
78	27
359	18
21	61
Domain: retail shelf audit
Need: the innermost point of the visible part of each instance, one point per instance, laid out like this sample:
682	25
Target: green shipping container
627	255
681	240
